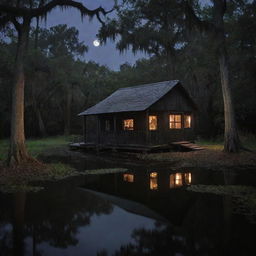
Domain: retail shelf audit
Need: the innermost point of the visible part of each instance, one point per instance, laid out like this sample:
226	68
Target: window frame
156	123
184	120
133	124
175	122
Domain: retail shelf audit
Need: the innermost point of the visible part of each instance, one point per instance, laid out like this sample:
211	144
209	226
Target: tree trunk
18	152
231	138
68	109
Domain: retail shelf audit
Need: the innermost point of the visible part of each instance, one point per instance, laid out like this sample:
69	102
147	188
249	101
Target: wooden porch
140	137
121	147
180	146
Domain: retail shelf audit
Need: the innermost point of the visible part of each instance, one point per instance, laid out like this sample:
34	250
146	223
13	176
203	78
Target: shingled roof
135	98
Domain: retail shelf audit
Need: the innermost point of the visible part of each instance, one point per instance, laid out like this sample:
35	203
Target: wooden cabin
149	114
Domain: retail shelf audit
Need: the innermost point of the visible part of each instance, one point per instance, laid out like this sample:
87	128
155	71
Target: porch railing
141	137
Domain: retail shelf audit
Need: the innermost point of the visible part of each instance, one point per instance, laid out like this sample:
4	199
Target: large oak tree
20	13
216	28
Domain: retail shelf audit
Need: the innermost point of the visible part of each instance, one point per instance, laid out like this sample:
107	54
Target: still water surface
144	211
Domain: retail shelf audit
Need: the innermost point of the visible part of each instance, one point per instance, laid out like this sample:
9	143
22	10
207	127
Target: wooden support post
147	129
115	130
114	123
84	128
98	129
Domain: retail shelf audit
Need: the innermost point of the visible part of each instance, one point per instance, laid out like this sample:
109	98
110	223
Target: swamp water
146	210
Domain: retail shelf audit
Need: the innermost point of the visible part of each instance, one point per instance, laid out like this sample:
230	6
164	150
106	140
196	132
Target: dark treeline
60	84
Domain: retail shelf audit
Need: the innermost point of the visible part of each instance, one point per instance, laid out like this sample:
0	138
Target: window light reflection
128	177
188	178
180	179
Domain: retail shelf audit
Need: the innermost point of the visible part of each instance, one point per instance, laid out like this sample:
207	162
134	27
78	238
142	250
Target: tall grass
248	141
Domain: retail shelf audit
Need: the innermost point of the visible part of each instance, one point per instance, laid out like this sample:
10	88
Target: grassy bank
19	178
37	146
248	141
213	155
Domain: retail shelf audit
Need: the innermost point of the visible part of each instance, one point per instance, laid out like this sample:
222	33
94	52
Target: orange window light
175	121
152	121
128	124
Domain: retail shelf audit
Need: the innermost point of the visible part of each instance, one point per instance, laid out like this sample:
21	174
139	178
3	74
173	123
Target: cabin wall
95	130
165	135
139	118
175	100
91	135
117	135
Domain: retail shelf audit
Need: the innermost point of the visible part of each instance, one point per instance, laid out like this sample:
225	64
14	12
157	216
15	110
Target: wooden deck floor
120	147
180	145
187	145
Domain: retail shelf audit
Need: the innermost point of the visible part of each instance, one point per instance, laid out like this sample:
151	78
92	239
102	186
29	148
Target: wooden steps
187	145
82	145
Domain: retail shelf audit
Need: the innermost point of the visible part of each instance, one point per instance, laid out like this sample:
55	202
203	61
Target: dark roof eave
95	114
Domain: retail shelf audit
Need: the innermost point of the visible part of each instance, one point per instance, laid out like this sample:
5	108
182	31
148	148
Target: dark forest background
60	83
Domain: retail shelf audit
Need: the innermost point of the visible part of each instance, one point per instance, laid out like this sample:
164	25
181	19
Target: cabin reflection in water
175	180
128	177
180	179
153	181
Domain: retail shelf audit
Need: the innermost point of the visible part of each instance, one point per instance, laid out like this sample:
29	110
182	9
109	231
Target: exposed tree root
20	159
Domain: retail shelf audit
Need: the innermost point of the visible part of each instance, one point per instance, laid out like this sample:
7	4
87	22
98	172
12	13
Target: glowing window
188	178
153	181
175	180
107	125
128	177
187	121
152	121
178	179
128	124
175	121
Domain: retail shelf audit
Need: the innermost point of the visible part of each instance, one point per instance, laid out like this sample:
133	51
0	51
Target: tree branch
195	21
43	10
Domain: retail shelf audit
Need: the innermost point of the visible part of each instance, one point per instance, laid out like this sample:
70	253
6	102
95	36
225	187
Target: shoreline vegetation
19	178
211	157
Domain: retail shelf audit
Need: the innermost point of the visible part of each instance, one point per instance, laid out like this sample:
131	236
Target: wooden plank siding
175	101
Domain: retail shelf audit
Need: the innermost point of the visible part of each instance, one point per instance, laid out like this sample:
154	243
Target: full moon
96	43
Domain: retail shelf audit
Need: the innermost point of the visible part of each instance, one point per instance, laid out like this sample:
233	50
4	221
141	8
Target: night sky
105	54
